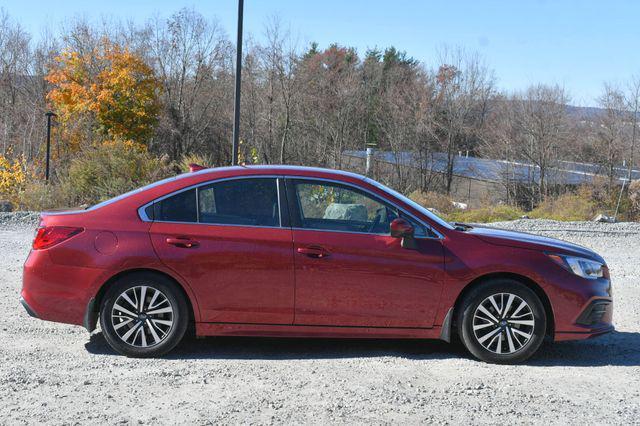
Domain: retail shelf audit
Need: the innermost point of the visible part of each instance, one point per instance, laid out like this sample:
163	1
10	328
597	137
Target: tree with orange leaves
109	92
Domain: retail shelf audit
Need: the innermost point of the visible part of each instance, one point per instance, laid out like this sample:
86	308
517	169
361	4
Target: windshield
412	203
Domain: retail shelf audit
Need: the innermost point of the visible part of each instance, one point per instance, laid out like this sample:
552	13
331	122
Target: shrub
495	213
634	197
433	200
12	177
37	195
112	168
200	159
98	173
567	207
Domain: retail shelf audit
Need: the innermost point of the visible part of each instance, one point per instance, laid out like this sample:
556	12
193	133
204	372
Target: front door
349	270
226	240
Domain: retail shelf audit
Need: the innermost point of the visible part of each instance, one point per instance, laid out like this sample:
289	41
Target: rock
604	219
357	212
461	206
6	206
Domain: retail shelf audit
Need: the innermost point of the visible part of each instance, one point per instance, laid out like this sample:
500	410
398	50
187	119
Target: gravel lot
54	373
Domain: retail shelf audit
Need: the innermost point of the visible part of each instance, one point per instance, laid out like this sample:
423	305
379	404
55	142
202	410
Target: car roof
175	182
276	169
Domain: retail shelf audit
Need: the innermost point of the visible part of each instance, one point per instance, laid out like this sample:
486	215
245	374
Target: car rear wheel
502	321
143	315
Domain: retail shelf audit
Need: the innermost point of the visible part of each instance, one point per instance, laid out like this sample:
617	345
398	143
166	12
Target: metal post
46	170
236	107
615	215
369	163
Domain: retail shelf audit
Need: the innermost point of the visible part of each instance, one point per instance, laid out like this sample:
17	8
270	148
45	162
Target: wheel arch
531	284
93	307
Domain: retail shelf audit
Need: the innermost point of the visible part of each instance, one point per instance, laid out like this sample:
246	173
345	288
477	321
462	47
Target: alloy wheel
503	323
142	316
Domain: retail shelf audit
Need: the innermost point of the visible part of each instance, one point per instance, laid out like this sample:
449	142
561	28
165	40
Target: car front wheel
143	315
502	321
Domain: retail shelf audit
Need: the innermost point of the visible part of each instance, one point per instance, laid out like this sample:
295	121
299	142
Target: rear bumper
54	292
27	308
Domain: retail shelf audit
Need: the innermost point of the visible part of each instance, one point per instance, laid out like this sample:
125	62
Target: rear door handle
182	242
314	251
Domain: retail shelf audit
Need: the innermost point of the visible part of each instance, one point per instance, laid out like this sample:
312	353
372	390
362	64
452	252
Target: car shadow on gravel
296	348
615	349
619	348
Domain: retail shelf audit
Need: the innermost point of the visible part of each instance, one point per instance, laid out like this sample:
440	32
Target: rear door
227	240
349	270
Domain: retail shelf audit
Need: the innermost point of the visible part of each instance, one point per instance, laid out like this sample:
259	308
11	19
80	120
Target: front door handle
182	242
314	251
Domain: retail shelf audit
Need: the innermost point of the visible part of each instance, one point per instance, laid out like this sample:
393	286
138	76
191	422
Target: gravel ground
55	373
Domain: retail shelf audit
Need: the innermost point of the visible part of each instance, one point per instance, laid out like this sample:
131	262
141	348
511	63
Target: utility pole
236	106
46	170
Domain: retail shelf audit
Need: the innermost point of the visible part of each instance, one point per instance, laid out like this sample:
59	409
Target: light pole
236	106
46	170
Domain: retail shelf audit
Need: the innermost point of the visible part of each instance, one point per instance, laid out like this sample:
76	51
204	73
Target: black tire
501	333
133	284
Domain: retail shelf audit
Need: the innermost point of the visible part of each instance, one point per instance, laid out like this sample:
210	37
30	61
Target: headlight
586	268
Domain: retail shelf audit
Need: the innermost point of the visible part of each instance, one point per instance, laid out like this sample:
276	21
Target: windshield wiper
459	226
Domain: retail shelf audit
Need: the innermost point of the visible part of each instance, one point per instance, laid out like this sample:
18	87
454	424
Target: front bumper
595	319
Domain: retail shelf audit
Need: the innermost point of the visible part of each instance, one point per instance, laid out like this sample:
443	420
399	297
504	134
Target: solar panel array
562	173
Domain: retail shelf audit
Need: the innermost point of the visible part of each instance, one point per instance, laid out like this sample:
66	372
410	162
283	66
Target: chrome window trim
143	215
438	236
279	203
197	205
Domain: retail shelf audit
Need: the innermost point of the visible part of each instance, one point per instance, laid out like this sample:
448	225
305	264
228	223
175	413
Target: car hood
504	237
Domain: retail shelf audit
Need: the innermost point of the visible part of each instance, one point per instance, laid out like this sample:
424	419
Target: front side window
251	202
335	207
328	206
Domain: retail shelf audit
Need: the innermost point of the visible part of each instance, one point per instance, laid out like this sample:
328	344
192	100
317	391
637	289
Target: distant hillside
584	113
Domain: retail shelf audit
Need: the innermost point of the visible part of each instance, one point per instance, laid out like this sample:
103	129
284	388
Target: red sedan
305	252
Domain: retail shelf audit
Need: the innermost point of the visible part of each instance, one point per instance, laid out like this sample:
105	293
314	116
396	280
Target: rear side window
180	207
251	202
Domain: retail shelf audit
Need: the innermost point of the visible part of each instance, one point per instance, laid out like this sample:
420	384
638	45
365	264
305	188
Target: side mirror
401	228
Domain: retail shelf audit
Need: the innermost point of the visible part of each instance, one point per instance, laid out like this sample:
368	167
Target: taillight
49	236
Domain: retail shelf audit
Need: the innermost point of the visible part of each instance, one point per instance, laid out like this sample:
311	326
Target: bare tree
464	87
633	105
280	60
192	58
610	133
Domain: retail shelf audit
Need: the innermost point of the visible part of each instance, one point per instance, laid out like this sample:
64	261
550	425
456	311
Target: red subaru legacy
305	252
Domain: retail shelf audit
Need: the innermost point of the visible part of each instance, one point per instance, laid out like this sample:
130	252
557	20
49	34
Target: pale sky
577	44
